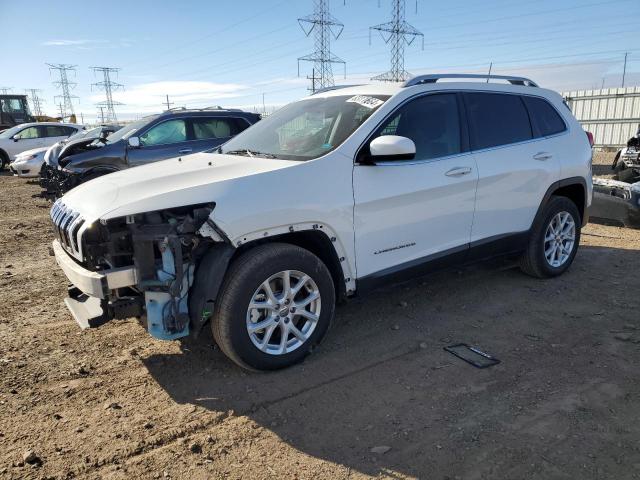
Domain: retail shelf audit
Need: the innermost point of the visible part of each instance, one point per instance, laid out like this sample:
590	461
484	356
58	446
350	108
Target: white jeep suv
329	197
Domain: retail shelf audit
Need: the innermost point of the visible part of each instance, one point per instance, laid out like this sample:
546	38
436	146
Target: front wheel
554	240
276	304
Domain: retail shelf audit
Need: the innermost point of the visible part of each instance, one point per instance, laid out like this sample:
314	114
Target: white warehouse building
611	114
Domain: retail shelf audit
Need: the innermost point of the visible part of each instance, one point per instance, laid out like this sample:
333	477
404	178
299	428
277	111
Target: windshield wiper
249	153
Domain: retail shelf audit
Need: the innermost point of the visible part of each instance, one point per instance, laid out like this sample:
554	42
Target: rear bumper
94	284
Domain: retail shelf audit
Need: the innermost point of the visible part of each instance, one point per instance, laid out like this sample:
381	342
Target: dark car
170	134
82	141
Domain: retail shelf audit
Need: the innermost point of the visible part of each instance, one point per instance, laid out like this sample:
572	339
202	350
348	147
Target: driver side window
27	133
171	131
431	121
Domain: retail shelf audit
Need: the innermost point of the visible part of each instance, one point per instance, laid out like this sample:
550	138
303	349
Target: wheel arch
318	242
575	189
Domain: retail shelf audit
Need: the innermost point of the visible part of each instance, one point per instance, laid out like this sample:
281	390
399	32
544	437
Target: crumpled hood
187	180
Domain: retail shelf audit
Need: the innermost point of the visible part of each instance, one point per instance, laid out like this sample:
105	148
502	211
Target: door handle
186	150
458	171
542	156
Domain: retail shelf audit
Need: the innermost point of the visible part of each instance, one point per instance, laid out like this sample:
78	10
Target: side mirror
15	138
134	142
392	147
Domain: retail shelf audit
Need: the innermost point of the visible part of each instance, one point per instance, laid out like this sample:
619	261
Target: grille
67	225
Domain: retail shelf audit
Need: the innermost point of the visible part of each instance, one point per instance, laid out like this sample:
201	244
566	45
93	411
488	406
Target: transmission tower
5	90
398	33
36	101
108	86
324	26
65	86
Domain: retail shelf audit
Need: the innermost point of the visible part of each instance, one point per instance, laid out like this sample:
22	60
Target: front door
411	211
24	140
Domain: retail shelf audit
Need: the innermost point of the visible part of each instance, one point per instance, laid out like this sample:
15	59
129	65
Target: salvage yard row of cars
331	196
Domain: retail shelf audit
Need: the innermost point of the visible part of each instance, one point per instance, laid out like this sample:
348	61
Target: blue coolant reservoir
159	304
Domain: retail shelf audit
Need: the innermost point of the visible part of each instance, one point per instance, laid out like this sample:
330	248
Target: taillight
590	137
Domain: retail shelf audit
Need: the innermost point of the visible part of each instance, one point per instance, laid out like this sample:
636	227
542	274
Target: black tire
4	160
93	174
245	275
534	262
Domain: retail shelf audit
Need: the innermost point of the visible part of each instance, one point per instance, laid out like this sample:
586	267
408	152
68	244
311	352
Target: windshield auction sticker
366	101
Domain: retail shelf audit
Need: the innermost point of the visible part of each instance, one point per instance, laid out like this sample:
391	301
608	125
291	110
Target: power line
65	86
36	101
324	26
108	86
397	32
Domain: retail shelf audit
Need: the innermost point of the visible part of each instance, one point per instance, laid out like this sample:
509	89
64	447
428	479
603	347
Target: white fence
611	114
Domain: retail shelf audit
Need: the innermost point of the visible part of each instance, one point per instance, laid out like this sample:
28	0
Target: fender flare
565	182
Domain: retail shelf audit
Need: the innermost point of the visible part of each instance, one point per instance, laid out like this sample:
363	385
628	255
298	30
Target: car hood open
187	180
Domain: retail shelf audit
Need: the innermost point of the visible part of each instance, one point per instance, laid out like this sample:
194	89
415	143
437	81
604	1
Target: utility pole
624	70
397	32
5	90
36	101
168	103
324	26
62	115
489	74
108	86
81	118
264	110
64	85
101	113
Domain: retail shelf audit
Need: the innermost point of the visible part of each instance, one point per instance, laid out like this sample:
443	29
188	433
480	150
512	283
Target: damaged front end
142	265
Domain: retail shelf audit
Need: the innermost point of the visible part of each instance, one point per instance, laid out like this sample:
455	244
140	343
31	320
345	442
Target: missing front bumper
92	312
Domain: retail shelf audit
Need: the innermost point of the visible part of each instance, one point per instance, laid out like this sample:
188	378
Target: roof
52	123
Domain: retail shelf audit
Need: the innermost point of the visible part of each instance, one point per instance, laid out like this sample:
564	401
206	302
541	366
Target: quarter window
545	118
171	131
432	122
496	119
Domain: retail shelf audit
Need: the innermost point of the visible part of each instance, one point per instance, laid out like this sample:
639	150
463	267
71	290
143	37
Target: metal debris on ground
472	355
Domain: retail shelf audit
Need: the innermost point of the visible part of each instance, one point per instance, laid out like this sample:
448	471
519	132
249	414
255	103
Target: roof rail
433	78
335	87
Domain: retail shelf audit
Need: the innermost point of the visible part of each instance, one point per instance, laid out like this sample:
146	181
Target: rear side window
545	118
432	123
496	119
206	128
56	131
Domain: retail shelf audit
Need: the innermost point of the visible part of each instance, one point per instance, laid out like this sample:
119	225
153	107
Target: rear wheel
554	240
275	306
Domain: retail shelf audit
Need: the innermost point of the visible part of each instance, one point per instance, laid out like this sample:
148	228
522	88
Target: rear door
54	133
515	168
163	140
210	132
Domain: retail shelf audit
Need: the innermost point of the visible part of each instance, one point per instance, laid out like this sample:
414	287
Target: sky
232	53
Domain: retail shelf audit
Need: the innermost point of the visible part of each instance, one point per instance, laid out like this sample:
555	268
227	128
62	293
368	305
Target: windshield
306	129
94	132
128	130
11	132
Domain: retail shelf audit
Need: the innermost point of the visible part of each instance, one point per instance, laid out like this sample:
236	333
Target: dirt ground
113	403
